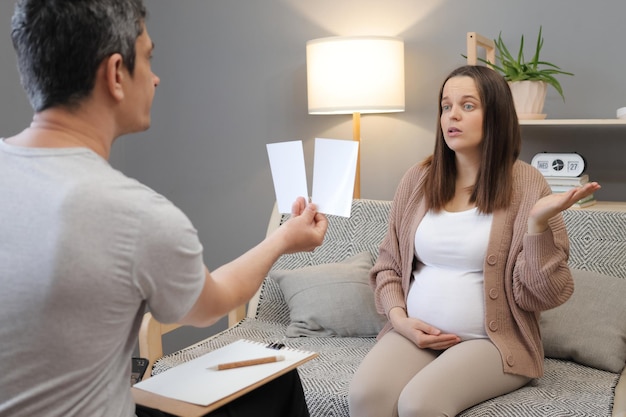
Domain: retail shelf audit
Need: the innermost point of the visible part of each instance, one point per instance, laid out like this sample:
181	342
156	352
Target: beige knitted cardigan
523	274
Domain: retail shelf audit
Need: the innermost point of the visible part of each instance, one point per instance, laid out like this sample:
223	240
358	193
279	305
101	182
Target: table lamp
354	75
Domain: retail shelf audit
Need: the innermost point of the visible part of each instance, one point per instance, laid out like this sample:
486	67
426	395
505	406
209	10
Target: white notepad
195	382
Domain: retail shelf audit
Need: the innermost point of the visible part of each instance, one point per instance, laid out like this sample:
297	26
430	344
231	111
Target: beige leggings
397	378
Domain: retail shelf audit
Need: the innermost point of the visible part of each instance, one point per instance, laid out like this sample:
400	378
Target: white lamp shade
356	74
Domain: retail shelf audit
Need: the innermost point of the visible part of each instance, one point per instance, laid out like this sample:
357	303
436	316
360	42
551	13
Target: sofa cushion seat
565	386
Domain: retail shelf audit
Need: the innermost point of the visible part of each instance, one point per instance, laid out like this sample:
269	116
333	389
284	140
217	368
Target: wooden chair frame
151	335
475	40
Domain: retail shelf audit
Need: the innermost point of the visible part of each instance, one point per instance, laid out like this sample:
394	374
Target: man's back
82	246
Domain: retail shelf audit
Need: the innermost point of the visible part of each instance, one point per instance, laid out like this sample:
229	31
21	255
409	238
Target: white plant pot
529	97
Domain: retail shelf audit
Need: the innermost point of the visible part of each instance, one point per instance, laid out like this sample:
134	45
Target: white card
334	170
288	173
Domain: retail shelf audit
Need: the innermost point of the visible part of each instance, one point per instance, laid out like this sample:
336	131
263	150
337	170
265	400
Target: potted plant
528	79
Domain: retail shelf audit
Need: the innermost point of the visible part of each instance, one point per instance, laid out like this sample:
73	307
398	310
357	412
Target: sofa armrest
619	401
151	339
151	334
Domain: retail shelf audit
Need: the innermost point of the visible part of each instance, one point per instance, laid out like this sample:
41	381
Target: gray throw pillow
331	299
589	328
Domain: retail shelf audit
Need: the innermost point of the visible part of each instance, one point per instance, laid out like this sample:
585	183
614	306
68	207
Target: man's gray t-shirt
83	251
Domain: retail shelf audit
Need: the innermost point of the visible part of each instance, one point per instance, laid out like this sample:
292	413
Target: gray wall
233	78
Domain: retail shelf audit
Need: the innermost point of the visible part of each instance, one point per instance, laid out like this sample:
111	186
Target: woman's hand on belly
422	334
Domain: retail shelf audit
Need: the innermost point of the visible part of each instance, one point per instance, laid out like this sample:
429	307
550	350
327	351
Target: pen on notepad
249	362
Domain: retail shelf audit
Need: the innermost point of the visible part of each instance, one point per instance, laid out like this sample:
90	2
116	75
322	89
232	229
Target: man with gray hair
85	250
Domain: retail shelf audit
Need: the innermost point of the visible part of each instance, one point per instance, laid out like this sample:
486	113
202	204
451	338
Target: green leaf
518	69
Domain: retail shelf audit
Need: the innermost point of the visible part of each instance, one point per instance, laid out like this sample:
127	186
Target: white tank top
447	288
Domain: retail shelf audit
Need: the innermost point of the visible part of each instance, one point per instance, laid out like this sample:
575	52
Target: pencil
249	362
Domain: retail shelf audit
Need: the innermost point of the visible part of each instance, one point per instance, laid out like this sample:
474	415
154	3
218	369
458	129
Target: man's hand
306	228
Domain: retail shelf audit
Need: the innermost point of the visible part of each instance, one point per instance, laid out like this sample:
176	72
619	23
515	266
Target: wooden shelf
605	206
573	122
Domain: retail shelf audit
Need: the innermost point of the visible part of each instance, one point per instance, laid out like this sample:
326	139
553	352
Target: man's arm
234	283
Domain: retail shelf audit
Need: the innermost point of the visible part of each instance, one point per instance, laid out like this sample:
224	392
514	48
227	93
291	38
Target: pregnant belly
449	300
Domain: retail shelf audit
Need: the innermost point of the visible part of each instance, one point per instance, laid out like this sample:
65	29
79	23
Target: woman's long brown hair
500	147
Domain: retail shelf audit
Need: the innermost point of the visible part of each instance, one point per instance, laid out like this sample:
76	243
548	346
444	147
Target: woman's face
462	115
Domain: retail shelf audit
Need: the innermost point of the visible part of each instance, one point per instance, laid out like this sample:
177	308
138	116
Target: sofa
321	301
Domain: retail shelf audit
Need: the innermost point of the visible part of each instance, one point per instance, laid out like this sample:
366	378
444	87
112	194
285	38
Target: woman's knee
367	397
360	391
411	405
